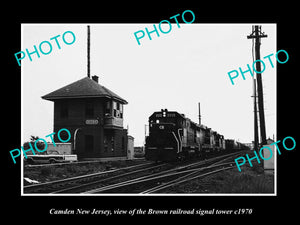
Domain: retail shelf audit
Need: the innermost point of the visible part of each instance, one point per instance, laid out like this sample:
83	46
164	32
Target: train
173	136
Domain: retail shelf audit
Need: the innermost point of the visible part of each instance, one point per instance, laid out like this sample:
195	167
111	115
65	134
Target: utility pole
257	34
255	116
199	113
145	133
88	51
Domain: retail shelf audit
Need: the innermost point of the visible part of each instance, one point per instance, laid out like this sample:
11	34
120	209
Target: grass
249	180
244	183
49	173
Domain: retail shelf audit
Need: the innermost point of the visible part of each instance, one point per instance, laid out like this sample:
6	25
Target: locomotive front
163	142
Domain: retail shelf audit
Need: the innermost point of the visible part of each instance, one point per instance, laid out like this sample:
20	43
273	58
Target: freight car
172	136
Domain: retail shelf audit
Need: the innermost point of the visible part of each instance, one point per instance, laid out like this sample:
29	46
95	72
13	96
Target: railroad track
90	185
161	180
63	184
133	179
192	174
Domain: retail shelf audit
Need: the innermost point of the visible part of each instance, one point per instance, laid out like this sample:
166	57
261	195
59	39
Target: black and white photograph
136	112
144	109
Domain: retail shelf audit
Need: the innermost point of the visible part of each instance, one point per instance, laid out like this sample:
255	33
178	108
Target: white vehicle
54	157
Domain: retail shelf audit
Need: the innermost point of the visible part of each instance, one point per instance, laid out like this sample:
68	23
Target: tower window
105	144
108	107
117	109
112	143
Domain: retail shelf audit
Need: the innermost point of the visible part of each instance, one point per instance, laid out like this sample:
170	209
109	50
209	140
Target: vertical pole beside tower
199	113
88	51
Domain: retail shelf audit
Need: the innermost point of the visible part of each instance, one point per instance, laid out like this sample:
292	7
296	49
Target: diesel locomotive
173	136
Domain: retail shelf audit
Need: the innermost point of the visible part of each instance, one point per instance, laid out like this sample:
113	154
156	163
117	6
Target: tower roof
83	88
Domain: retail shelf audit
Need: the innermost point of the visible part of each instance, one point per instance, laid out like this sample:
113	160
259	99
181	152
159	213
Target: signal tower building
94	116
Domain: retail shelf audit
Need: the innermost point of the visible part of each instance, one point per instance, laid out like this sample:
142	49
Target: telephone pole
255	116
257	35
199	113
88	50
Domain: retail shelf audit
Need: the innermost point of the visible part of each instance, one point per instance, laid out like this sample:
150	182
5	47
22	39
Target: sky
174	71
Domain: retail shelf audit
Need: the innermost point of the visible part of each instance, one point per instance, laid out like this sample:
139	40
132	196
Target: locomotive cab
172	136
164	140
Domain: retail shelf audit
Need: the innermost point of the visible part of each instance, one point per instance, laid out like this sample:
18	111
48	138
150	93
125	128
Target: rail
179	173
49	185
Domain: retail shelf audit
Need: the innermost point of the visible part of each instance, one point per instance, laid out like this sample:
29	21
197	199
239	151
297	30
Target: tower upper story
86	102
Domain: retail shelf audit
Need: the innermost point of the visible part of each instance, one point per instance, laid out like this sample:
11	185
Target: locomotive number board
167	115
